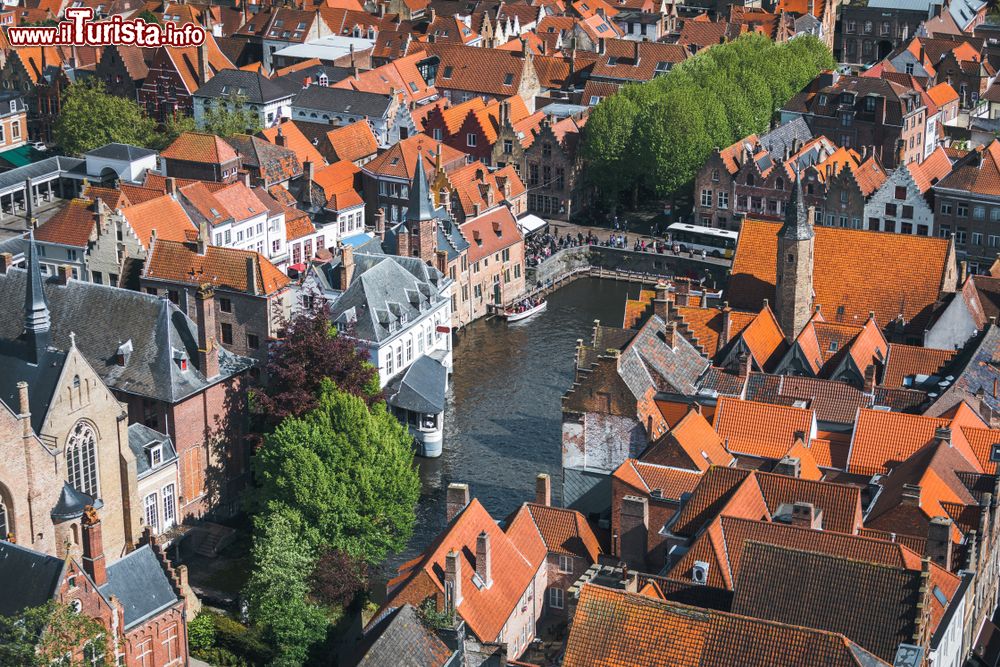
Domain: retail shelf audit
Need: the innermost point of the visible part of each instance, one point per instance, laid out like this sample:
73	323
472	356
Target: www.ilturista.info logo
79	28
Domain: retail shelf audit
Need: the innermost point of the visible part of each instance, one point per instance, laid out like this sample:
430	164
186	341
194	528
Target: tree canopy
653	137
347	470
90	118
230	115
45	635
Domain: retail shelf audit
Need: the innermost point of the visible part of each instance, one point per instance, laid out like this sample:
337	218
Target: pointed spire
419	207
797	225
36	308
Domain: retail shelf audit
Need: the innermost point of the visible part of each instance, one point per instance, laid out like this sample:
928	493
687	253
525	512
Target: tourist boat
512	316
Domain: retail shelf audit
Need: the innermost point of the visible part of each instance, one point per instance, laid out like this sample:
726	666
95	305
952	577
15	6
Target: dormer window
323	80
124	352
155	451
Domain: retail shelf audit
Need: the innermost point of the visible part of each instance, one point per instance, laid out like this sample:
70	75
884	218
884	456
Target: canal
502	423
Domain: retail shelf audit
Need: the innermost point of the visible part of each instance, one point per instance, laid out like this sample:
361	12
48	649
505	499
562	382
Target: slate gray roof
54	165
104	318
647	361
139	437
16	365
256	88
140	582
385	293
117	151
401	639
333	75
72	503
782	137
28	578
421	387
975	370
342	100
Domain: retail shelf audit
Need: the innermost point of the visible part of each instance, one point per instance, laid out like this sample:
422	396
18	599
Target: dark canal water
502	423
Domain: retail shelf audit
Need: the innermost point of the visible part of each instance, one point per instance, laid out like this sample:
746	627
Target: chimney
6	262
65	272
252	275
93	547
911	495
208	356
683	297
743	364
309	169
380	224
789	466
669	332
484	565
635	54
204	73
442	261
600	46
943	434
939	542
805	515
543	489
661	303
172	186
456	500
869	378
346	270
203	238
634	531
24	408
452	581
279	138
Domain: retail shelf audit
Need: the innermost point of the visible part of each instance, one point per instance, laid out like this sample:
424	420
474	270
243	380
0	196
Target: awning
530	223
21	156
357	240
421	388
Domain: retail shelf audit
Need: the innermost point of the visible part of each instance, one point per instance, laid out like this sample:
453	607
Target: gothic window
81	459
4	524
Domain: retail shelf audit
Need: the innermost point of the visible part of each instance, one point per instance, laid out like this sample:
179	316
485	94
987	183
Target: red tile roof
199	147
222	267
977	172
761	429
490	233
645	477
909	360
400	161
564	531
843	278
694	436
162	215
294	140
353	142
935	166
72	225
614	628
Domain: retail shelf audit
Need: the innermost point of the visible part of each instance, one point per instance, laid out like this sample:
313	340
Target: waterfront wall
617	259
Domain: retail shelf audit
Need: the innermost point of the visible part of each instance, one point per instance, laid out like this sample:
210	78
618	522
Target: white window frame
565	564
557	598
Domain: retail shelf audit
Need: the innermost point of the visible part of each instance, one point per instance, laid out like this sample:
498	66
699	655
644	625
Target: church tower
420	221
794	276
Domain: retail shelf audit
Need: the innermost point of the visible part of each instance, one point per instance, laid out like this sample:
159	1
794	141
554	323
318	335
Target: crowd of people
540	247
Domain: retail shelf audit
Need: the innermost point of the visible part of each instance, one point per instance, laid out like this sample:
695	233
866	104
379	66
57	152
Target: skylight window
215	213
833	346
940	596
447	72
508	79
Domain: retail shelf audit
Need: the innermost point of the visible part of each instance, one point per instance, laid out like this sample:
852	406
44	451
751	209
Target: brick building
496	261
201	156
857	111
175	73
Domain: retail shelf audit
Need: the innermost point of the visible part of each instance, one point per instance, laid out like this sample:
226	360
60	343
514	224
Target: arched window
81	459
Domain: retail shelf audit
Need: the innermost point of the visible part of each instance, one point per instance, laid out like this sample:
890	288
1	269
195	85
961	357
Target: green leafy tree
653	137
42	636
90	118
278	587
230	115
347	470
173	128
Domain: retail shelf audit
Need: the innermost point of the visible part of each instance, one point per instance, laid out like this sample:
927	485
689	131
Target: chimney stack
661	302
788	465
634	531
943	434
380	224
484	565
252	274
346	269
456	500
208	356
869	378
683	297
24	408
93	547
743	364
204	72
203	238
543	489
911	495
939	542
172	186
279	139
452	581
6	262
805	515
669	334
65	272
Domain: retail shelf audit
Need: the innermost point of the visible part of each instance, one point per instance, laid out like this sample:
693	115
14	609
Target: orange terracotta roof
764	339
474	184
72	225
485	610
614	628
114	198
490	233
343	200
298	227
843	278
179	262
942	94
696	437
162	215
185	60
636	308
761	429
909	360
199	147
564	531
646	477
336	178
935	166
137	194
400	161
808	467
353	142
295	141
885	439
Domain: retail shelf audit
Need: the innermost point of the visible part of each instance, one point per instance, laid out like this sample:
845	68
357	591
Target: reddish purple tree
337	578
310	351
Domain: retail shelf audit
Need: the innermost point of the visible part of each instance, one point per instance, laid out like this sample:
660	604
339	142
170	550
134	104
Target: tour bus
695	238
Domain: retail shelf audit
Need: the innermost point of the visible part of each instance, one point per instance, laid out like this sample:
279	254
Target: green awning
20	156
